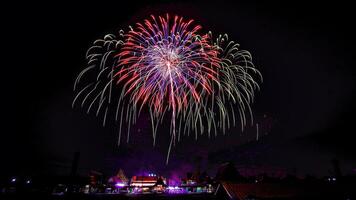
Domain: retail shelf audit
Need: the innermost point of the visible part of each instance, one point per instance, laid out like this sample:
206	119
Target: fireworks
169	68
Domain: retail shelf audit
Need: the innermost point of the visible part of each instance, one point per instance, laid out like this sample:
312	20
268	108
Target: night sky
305	108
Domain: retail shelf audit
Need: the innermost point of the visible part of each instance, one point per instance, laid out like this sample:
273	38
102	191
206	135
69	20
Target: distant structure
75	163
143	181
337	170
95	177
120	180
228	172
147	184
237	191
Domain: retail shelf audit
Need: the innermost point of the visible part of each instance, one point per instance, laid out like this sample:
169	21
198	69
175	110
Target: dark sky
305	107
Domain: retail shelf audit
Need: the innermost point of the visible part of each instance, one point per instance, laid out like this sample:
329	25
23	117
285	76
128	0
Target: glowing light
120	184
142	184
168	67
175	190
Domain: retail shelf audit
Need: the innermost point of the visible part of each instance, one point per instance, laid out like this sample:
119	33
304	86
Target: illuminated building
150	183
143	181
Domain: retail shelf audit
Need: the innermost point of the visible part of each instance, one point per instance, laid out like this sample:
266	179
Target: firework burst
167	66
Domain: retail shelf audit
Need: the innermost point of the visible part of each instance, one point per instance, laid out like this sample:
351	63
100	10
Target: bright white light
142	184
13	180
119	184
